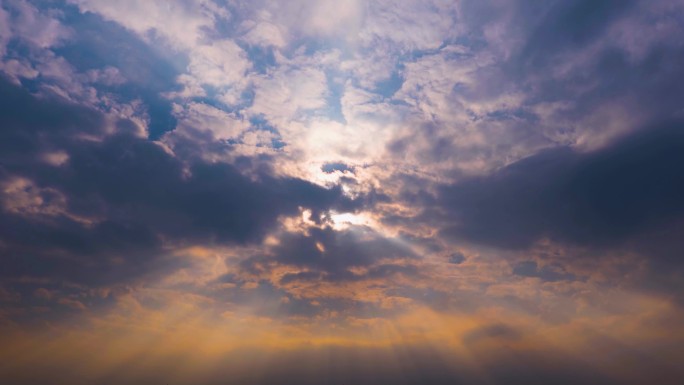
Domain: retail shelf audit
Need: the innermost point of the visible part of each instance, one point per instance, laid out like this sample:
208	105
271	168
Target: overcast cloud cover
308	192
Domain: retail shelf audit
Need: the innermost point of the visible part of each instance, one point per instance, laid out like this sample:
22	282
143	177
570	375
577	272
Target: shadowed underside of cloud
605	198
114	198
334	269
333	253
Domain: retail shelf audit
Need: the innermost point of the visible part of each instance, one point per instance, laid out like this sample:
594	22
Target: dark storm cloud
137	195
602	198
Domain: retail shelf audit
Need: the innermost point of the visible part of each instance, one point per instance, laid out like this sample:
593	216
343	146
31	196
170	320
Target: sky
336	192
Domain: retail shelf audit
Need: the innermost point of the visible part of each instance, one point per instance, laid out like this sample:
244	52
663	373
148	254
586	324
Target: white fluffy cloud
433	83
219	64
287	94
179	22
263	33
205	118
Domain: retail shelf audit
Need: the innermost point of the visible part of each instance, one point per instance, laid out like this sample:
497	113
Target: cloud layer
398	191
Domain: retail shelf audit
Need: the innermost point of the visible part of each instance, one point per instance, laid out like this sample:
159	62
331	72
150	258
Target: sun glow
343	221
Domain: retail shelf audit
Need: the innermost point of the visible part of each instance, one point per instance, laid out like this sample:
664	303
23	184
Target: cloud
288	94
411	25
205	118
334	253
546	273
482	106
120	197
405	364
501	201
497	331
568	26
220	64
32	26
180	23
263	33
5	31
457	258
598	198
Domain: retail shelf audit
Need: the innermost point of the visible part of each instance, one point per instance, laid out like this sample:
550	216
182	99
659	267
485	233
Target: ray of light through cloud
337	192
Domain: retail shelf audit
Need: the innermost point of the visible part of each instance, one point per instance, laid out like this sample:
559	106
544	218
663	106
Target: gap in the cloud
260	123
161	118
213	98
333	100
308	46
262	58
227	28
331	167
388	87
